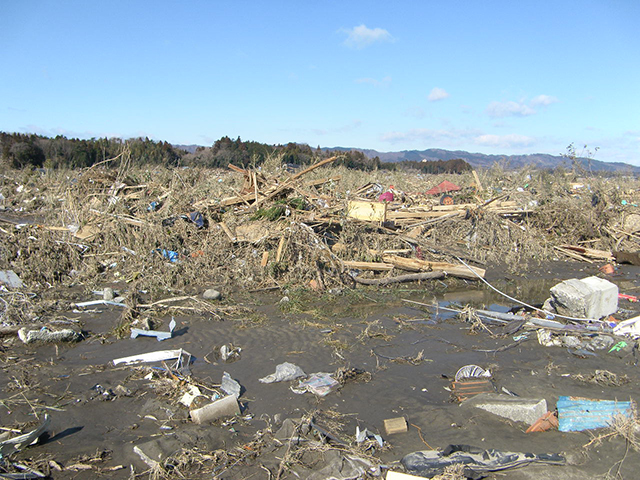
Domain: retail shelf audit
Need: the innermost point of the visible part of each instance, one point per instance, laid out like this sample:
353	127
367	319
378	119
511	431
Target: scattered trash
159	356
619	347
284	373
93	303
631	298
630	327
362	435
386	197
169	254
224	407
470	388
230	386
607	269
395	425
476	461
10	279
135	332
547	421
471	371
319	384
229	353
576	414
15	444
44	335
190	395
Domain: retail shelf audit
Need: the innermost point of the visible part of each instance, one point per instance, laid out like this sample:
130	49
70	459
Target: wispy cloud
522	108
509	109
385	82
426	134
360	37
543	100
437	94
504	141
455	138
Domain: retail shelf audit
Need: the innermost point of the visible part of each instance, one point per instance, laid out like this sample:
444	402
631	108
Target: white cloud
386	81
504	141
521	108
360	37
544	100
509	109
456	137
437	94
425	134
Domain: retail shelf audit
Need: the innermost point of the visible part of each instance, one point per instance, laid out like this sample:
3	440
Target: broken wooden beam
417	265
372	266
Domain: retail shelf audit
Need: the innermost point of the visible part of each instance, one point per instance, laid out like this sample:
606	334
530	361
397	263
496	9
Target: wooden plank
265	259
573	255
417	265
315	183
226	230
313	167
400	216
237	169
280	248
395	425
589	252
367	211
372	266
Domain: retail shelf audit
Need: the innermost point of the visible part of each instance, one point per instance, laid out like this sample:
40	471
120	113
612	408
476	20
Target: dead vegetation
169	232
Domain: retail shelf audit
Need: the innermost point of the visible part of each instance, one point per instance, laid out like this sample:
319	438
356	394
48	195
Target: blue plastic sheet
576	414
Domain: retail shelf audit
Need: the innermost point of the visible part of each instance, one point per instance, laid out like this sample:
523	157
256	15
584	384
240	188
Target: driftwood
417	265
412	277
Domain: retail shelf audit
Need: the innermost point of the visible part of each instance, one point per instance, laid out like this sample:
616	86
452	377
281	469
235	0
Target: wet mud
411	353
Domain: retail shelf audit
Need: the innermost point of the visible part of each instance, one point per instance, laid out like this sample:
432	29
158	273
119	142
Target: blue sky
508	77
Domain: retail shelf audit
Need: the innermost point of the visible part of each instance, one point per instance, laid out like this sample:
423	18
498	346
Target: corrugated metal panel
576	414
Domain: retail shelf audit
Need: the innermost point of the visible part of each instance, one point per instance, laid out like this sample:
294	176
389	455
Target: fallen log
417	265
411	277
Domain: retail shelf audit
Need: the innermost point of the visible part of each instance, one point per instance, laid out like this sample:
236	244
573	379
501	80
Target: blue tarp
577	414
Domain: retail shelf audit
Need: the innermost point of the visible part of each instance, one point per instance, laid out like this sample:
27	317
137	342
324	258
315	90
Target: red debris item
386	197
607	269
631	298
444	187
546	422
470	388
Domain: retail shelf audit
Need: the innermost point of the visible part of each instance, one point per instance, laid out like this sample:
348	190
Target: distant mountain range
480	160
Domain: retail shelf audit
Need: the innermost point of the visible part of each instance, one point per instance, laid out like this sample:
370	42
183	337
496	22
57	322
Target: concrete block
526	410
590	297
155	452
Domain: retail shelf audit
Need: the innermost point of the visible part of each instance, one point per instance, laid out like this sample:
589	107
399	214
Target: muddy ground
93	434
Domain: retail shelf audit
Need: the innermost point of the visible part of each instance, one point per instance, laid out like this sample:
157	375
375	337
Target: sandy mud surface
406	356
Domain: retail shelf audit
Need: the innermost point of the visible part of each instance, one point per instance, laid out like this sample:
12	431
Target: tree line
30	150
